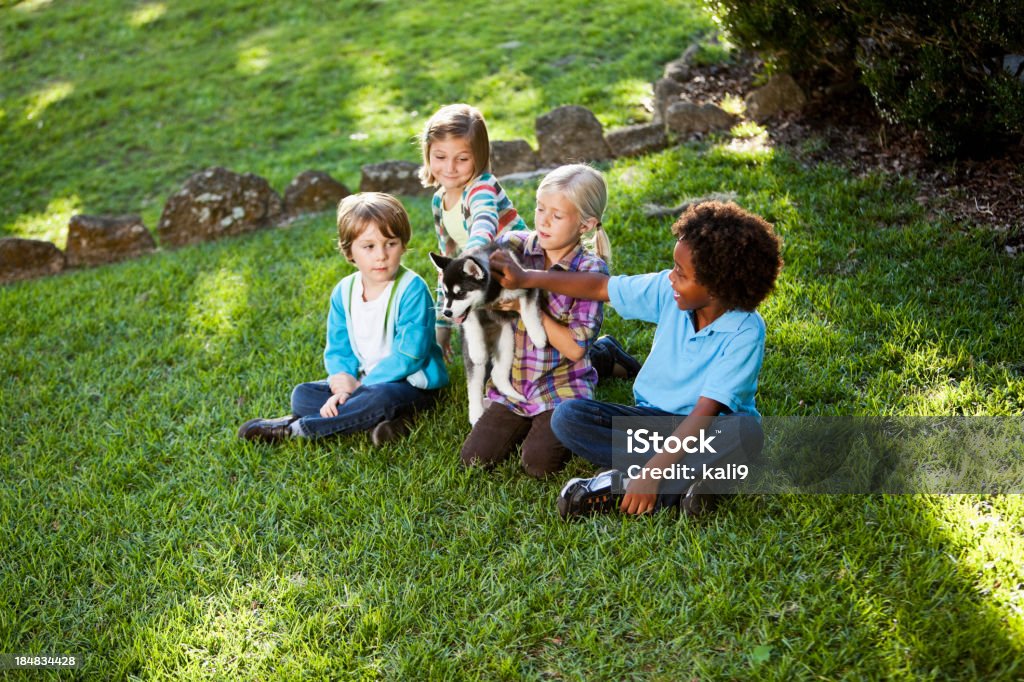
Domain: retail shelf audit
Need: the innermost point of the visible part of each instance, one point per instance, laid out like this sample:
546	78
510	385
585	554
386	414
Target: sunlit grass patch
147	14
51	224
47	96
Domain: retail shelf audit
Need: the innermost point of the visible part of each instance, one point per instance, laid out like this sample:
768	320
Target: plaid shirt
543	375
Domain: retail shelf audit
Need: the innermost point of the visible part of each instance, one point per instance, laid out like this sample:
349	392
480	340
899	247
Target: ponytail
601	245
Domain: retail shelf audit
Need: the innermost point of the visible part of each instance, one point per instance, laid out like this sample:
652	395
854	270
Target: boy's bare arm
592	286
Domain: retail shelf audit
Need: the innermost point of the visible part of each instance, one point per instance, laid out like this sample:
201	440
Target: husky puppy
469	290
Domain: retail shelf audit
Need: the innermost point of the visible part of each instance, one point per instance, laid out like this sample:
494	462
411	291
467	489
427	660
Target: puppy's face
464	285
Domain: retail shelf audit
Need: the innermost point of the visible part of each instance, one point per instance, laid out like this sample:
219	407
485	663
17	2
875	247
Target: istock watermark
826	455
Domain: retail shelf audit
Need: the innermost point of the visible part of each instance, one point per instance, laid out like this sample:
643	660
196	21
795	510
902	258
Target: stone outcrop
679	69
637	139
218	203
27	258
94	240
666	93
513	156
313	191
779	94
570	134
393	177
684	118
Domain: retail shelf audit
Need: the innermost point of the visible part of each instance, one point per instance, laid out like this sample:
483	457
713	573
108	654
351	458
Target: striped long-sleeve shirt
486	212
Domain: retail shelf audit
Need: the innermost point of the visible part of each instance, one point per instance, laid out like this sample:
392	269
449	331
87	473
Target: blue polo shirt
720	362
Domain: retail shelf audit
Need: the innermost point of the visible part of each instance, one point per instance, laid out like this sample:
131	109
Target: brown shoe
391	429
267	430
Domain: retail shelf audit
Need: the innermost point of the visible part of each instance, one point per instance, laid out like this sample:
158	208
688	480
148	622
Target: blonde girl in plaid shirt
568	236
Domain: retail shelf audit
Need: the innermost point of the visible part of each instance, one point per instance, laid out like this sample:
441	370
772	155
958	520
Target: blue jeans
585	427
364	409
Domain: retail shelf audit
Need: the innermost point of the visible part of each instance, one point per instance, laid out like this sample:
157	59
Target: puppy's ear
473	269
440	262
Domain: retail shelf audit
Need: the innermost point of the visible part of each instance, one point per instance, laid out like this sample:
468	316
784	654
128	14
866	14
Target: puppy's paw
511	393
538	337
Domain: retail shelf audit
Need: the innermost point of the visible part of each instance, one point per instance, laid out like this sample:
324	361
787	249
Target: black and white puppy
469	290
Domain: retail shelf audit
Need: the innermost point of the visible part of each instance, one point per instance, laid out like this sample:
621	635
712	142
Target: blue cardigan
415	355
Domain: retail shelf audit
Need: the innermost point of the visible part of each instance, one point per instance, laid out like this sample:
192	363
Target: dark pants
499	430
364	409
585	427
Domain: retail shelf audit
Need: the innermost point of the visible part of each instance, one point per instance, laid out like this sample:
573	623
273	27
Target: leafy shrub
934	65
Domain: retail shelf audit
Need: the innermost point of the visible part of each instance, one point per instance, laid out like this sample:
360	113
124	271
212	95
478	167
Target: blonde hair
456	120
587	191
357	212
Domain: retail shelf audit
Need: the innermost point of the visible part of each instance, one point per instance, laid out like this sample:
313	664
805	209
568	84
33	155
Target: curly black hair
735	253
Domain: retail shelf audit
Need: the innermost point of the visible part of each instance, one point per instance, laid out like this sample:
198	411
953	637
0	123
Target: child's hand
330	408
510	306
444	339
343	382
507	271
640	497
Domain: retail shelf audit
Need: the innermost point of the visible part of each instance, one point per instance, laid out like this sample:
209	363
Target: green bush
937	66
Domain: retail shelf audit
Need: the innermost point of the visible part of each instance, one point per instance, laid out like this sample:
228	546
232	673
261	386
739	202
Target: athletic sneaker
582	496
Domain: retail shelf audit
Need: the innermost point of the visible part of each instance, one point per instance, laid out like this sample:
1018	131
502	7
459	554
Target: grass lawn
141	534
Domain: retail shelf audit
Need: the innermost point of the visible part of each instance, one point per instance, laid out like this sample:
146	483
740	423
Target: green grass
140	533
108	106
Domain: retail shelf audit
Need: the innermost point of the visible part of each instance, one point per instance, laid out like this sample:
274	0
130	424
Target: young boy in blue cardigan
704	363
382	360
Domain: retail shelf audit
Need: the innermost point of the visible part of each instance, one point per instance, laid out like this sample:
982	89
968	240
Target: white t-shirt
368	326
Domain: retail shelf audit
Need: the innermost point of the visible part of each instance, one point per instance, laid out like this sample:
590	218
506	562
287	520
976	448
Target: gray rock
218	203
679	69
513	156
525	175
313	191
570	134
684	118
666	93
779	94
93	240
637	139
393	177
26	258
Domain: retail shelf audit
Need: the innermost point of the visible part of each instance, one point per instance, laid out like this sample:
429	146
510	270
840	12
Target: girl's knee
543	453
540	463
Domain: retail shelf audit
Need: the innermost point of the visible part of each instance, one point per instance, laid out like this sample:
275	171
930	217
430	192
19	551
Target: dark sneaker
390	430
582	496
607	352
697	501
267	430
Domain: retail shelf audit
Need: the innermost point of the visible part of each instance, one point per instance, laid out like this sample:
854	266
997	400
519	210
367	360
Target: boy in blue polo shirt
704	363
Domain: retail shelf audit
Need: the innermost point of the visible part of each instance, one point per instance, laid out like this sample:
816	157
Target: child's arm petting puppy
590	286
